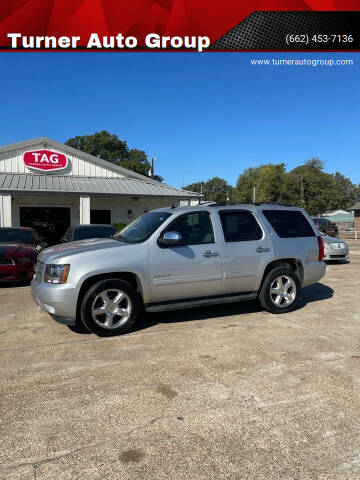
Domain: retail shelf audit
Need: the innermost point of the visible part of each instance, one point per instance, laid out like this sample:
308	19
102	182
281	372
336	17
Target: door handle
262	249
210	253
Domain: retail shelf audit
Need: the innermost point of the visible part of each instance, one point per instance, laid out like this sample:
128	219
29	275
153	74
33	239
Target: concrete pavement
227	392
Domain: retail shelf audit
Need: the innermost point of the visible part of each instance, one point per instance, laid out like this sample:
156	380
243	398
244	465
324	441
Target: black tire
93	293
265	297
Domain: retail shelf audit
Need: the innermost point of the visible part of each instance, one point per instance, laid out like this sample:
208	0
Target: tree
102	145
269	181
137	161
109	147
319	188
322	191
243	192
346	193
215	189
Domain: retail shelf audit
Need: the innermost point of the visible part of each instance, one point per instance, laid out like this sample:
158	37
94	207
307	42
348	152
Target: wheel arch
294	263
129	277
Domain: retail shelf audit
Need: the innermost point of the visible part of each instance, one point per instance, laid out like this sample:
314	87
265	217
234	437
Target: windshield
142	228
11	235
93	232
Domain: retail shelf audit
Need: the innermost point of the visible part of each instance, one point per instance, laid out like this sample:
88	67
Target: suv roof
234	206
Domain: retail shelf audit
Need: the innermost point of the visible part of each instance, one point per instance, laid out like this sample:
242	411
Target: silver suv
183	257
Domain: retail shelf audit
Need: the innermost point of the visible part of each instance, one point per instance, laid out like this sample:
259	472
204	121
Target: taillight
321	248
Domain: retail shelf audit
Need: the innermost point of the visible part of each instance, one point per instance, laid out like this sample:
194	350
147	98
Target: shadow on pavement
313	293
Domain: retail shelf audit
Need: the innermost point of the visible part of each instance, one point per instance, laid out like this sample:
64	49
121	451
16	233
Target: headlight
22	260
56	273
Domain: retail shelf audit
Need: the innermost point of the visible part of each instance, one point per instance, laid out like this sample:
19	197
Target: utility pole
152	166
302	192
254	193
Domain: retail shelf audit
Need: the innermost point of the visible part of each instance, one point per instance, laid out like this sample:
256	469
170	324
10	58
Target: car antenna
173	206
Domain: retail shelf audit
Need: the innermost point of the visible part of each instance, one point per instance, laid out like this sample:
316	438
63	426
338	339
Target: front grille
6	261
39	271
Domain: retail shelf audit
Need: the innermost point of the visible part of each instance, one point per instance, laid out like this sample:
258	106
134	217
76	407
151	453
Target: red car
19	248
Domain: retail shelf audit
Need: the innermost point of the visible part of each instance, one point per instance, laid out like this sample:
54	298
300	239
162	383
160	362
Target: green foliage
119	226
216	189
102	145
269	182
137	161
322	191
109	147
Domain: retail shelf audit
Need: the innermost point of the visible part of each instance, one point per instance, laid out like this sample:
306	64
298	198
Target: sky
199	114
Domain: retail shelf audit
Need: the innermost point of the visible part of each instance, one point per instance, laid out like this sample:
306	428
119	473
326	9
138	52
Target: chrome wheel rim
283	291
111	308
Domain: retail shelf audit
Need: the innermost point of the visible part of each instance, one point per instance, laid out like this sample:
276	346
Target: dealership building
49	186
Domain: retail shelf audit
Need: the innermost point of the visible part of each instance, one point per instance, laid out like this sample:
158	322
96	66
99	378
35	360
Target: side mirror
170	239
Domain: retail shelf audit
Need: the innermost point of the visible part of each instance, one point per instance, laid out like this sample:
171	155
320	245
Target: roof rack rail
223	204
278	204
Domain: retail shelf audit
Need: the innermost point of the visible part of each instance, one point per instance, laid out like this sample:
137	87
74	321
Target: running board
182	305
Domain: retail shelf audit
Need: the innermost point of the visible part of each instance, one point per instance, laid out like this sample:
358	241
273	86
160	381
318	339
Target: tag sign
46	160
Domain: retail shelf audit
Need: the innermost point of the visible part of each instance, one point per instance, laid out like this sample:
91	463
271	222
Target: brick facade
357	220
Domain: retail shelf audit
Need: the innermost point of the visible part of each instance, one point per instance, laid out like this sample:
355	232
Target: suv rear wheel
280	291
110	307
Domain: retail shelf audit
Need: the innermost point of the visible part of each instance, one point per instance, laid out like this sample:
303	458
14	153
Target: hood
15	250
328	239
81	246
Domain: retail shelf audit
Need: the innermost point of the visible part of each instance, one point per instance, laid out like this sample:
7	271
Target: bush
119	226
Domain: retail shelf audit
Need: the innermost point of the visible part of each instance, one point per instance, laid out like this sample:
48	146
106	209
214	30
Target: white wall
12	162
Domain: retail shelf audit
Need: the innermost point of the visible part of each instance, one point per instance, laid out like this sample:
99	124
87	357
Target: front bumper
58	300
16	273
336	254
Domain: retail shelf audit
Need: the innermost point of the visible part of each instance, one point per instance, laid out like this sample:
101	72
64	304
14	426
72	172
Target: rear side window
289	223
239	226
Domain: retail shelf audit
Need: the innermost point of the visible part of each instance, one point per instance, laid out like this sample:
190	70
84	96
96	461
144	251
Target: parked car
19	249
83	232
325	226
173	258
335	248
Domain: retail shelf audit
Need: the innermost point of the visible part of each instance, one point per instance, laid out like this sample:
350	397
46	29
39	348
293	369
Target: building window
100	216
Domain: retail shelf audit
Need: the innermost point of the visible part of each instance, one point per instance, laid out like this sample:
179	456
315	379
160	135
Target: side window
195	228
240	226
289	223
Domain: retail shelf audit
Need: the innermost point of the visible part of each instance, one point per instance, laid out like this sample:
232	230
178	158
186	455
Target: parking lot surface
227	392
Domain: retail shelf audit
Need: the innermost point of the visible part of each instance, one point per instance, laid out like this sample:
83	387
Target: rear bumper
16	273
59	301
313	272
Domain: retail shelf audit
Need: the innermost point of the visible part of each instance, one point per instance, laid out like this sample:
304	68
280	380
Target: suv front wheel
280	291
110	307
